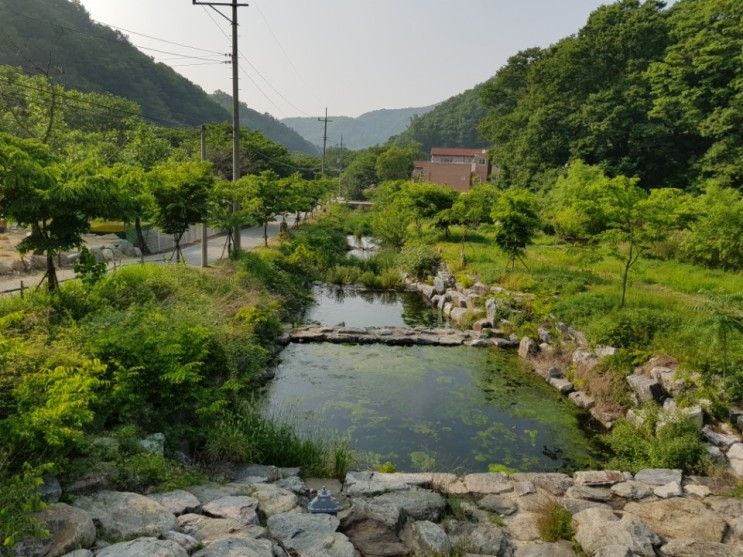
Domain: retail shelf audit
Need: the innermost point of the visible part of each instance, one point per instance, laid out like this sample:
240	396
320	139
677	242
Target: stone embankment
262	513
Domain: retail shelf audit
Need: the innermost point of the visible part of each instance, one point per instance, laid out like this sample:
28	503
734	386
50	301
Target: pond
424	407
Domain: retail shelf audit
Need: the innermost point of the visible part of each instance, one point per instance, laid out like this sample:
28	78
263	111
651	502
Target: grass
555	523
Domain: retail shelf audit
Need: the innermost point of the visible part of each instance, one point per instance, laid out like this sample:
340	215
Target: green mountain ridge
268	125
369	129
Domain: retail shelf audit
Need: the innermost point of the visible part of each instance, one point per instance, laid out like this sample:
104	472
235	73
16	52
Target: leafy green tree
517	221
426	201
230	209
360	174
266	198
56	201
181	192
395	163
474	207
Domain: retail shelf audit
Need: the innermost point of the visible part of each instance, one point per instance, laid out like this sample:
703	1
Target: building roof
457	152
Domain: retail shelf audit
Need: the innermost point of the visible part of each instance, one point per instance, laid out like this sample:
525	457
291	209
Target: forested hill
267	125
453	123
369	129
60	36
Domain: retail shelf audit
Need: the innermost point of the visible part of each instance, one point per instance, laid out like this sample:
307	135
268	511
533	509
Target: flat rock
419	504
501	504
632	489
371	483
599	478
451	484
375	539
692	548
680	518
729	507
528	348
658	476
122	515
574	506
273	499
237	546
671	489
189	543
426	538
646	388
178	501
561	384
719	439
310	535
523	526
239	507
486	539
697	490
151	547
614	551
589	493
206	493
69	528
598	528
532	549
207	529
486	482
582	400
293	484
79	553
554	482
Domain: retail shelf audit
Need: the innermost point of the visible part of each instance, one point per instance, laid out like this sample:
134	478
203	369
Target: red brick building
454	167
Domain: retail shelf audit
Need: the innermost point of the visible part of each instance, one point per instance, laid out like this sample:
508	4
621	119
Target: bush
145	472
419	260
555	523
261	321
19	500
629	328
580	308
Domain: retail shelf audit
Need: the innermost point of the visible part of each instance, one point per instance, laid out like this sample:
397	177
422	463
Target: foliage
149	471
387	468
420	260
516	221
395	163
88	269
555	522
19	499
630	327
675	444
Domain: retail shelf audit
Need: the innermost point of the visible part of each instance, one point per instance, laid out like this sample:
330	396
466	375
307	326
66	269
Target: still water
424	407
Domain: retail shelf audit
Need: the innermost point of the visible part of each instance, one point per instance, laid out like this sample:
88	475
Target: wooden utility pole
204	233
324	139
235	99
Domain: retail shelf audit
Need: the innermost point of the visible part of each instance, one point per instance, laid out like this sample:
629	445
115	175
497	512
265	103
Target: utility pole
204	233
235	99
339	162
324	139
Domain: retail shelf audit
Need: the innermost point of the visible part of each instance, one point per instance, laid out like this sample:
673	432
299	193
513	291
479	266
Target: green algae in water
462	407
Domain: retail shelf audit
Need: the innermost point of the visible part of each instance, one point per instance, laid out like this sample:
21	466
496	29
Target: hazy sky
349	55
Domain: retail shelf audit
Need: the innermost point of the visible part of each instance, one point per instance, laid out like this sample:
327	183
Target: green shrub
88	269
144	472
555	523
629	328
420	260
19	500
580	308
387	468
261	321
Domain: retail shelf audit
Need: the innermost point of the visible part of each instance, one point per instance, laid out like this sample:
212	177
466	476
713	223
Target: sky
351	56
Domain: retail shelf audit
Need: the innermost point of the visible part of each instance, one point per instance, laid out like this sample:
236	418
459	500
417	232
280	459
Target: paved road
250	238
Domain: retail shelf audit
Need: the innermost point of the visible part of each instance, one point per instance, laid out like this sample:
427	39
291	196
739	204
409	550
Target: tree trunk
51	273
265	233
141	244
625	274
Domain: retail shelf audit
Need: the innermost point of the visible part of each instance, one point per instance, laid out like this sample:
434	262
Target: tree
425	200
266	198
181	193
360	174
55	200
225	197
516	219
395	163
474	207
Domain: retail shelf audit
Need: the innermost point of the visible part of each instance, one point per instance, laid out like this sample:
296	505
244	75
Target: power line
165	40
175	53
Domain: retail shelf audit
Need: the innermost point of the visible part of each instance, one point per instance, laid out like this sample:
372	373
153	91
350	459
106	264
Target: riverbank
261	512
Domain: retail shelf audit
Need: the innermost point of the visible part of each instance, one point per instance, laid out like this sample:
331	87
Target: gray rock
680	518
697	490
154	443
584	358
178	501
603	351
420	504
310	535
207	530
658	476
632	489
151	547
293	484
439	287
590	493
666	377
598	478
501	504
487	539
671	489
458	314
715	453
487	482
371	483
69	528
523	526
375	539
123	515
79	553
481	324
554	372
582	400
426	538
237	546
239	507
692	548
646	388
491	307
50	490
527	348
525	487
206	493
562	385
5	269
614	551
273	499
574	506
597	528
555	483
189	543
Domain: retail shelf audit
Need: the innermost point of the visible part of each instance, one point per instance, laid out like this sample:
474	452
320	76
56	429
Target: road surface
250	238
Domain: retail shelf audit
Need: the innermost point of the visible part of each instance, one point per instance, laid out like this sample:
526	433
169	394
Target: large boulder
597	528
419	504
151	547
237	546
375	539
239	507
680	518
658	476
486	539
207	530
273	499
632	489
426	538
735	456
310	535
692	548
528	348
177	501
372	483
69	528
122	515
488	482
206	493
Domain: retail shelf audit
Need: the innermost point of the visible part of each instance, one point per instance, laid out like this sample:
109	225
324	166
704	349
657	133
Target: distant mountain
453	123
371	128
81	54
269	126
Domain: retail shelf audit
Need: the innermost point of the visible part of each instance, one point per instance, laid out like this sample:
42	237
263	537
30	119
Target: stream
424	407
